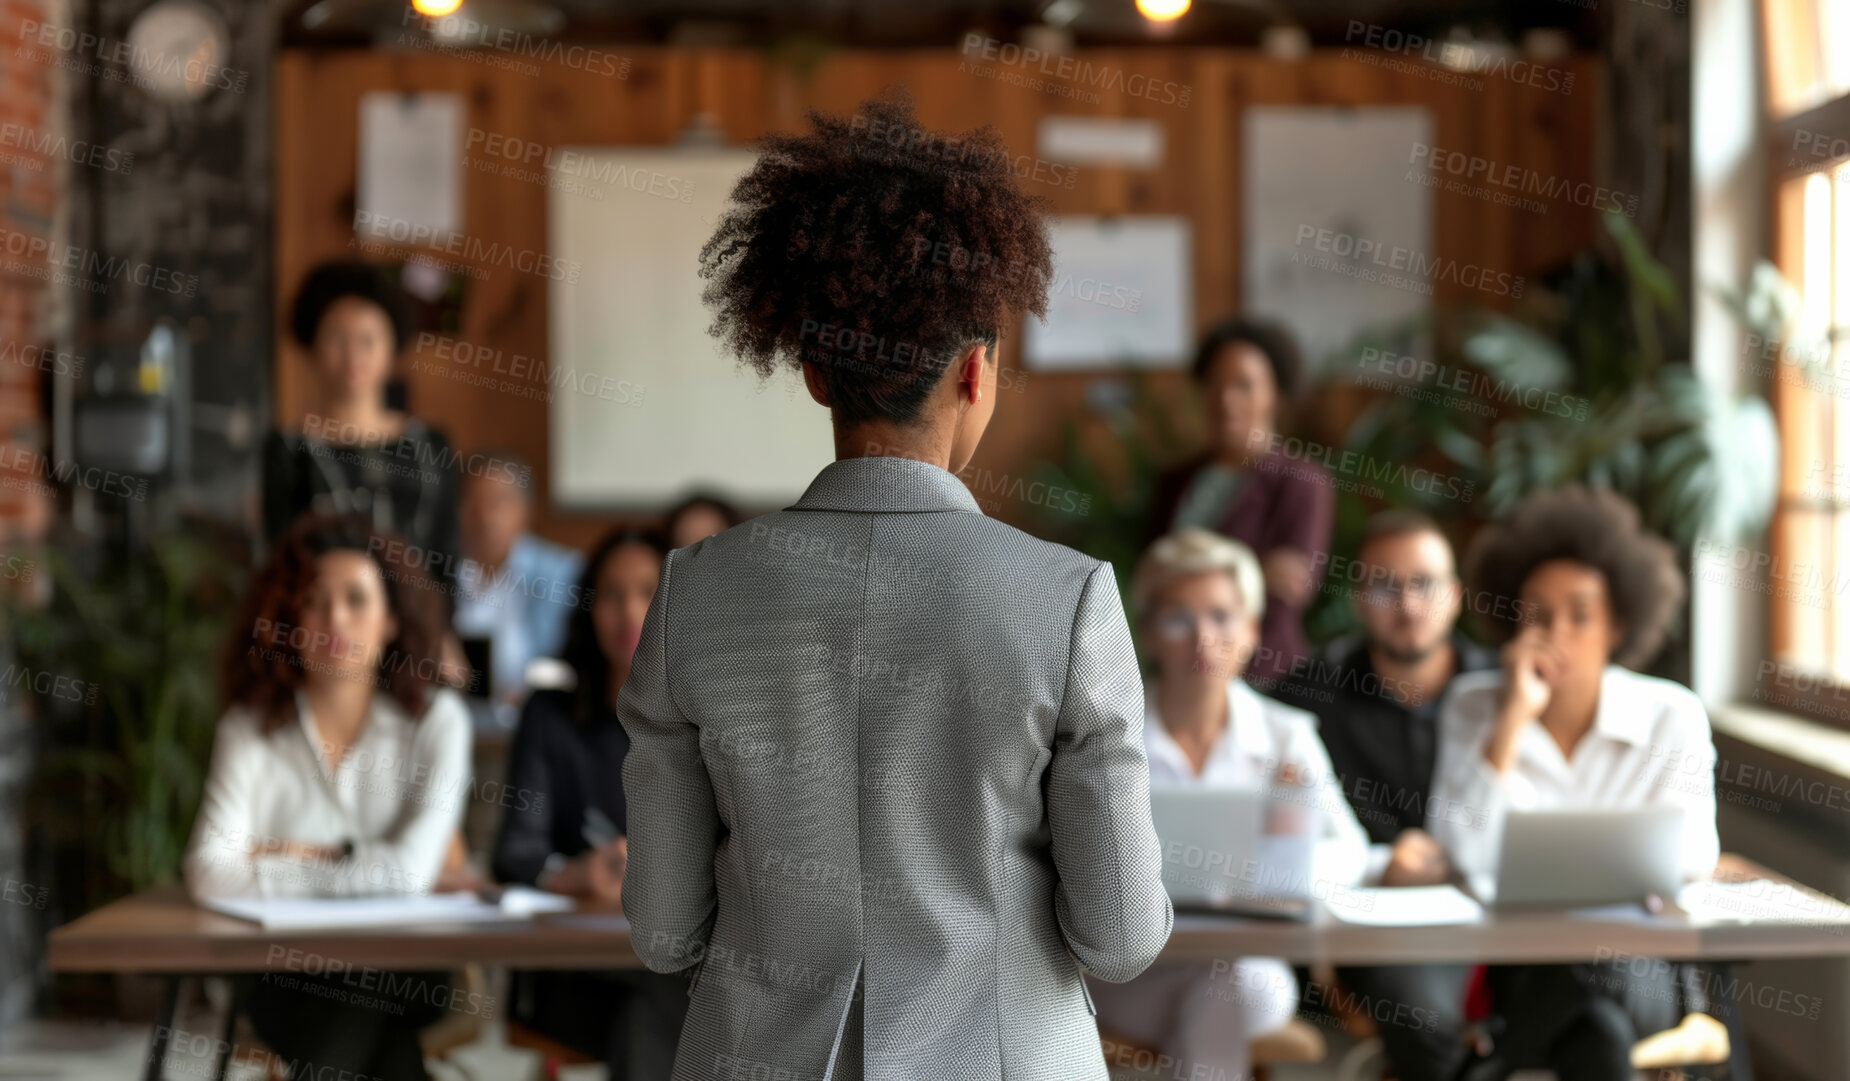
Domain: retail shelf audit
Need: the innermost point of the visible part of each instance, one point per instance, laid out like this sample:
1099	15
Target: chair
457	1029
1294	1042
553	1054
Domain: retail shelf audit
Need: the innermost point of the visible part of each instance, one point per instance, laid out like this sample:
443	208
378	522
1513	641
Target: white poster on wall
410	165
1334	214
1121	293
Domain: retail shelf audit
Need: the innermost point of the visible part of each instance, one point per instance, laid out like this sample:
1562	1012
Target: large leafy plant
131	704
1587	392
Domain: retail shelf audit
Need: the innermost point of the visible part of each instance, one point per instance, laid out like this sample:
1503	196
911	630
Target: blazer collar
886	484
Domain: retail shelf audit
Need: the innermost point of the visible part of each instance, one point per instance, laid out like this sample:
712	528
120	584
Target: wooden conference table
161	933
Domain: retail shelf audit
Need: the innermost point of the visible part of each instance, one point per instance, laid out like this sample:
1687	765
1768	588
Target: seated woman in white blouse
1565	723
1198	599
340	768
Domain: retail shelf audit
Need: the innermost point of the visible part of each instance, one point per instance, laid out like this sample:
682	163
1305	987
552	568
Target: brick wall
33	182
34	186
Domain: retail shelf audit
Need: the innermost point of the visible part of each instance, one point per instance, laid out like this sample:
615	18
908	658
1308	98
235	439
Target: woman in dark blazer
1247	485
354	454
567	832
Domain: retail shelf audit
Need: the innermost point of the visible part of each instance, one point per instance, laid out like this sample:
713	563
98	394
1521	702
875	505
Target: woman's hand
1289	574
1417	861
596	875
453	663
1530	667
294	850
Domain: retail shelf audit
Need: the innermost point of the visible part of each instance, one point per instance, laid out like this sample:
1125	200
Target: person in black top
565	830
354	454
1377	704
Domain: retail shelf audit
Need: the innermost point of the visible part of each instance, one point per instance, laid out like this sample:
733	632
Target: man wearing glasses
1377	704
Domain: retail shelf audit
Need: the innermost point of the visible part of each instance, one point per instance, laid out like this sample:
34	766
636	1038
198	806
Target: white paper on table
303	913
527	901
1405	906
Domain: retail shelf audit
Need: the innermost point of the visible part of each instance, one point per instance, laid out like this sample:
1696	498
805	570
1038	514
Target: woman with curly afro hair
887	789
1582	596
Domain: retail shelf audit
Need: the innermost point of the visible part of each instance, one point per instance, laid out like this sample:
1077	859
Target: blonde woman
1199	598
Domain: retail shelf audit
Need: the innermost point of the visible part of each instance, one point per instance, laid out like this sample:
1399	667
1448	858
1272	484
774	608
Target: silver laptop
1590	857
1217	856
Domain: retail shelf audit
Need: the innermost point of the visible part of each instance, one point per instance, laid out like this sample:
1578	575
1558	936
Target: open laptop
1574	858
1218	858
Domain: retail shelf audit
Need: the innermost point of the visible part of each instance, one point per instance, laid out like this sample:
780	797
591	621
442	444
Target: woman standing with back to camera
887	787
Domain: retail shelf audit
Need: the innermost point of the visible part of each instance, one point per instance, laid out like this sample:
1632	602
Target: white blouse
1262	734
397	797
1649	746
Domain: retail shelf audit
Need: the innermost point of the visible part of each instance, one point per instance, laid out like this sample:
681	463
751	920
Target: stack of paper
1405	906
324	913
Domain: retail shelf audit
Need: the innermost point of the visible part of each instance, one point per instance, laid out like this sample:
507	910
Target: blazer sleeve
218	858
669	894
1470	799
526	832
1109	899
1340	857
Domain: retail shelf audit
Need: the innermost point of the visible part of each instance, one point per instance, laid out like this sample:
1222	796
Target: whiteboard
644	405
1121	294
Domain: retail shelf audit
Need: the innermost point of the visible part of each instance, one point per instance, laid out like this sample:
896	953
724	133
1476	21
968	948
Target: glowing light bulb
435	9
1162	11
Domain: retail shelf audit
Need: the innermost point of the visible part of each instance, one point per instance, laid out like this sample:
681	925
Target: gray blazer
887	792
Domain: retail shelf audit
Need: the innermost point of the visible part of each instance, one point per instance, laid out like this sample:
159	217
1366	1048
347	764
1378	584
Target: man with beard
1377	704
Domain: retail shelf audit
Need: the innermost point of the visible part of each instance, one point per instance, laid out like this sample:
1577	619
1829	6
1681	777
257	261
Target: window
1808	93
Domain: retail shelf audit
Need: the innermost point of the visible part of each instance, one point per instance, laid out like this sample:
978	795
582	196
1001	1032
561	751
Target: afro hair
1597	529
874	250
333	281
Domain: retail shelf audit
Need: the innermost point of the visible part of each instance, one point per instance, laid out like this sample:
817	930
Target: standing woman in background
570	749
354	454
339	769
1243	488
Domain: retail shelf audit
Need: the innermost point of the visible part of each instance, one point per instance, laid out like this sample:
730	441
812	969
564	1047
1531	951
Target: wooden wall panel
750	94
